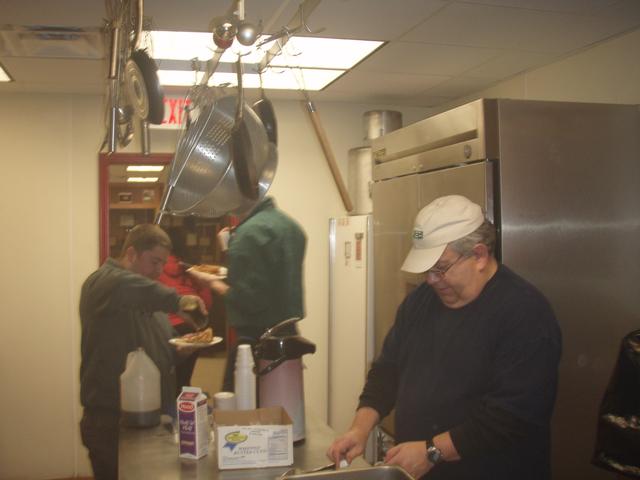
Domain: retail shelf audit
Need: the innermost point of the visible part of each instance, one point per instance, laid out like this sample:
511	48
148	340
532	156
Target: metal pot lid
136	89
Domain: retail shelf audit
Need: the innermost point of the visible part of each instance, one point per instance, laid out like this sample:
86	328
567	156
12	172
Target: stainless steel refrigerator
561	181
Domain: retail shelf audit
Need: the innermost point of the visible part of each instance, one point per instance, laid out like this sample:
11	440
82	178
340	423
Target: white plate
216	277
179	341
207	277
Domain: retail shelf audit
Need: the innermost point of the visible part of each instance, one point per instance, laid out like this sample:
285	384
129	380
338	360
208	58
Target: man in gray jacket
119	305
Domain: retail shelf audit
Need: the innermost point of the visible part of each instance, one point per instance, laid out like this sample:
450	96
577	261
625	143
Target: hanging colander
202	179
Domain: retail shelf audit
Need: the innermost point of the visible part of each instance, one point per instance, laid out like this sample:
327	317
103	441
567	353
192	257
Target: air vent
46	41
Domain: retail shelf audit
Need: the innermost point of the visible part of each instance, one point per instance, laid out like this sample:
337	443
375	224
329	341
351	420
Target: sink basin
383	472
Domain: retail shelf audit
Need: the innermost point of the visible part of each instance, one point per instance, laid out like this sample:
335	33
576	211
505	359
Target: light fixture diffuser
4	75
272	78
145	168
308	63
314	52
142	179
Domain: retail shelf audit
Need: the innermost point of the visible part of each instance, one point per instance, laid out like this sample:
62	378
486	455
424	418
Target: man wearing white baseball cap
470	364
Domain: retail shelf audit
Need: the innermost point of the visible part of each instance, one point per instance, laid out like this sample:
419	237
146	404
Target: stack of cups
245	379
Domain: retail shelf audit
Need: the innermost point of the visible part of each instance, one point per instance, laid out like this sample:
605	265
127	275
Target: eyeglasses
439	273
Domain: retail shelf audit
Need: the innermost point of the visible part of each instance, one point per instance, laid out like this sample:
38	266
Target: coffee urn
279	370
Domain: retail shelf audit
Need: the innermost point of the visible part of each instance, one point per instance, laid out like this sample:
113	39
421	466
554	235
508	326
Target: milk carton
193	423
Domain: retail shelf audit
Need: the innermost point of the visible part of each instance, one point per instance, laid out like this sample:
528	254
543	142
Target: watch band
434	454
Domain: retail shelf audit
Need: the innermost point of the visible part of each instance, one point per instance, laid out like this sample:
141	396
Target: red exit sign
174	113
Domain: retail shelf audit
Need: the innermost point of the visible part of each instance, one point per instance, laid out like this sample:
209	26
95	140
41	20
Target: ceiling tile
624	15
354	18
458	86
196	15
54	70
565	6
427	100
61	75
403	84
513	28
509	63
429	59
76	13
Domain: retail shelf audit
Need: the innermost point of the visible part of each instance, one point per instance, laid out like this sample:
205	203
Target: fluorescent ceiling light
312	52
142	179
189	45
4	76
272	78
145	168
316	61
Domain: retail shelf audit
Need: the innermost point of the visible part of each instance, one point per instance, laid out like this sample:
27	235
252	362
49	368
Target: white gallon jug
140	398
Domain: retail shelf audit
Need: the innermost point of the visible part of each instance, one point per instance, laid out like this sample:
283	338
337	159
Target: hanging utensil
264	108
143	87
125	128
125	19
224	31
302	14
144	137
324	143
202	179
241	152
247	33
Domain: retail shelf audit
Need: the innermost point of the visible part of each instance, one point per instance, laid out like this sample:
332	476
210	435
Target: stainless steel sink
383	472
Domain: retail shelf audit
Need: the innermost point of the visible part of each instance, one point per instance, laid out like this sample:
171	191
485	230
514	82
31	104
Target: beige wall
48	208
49	211
607	73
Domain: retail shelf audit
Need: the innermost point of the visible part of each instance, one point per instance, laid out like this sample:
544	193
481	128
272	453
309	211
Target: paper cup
224	401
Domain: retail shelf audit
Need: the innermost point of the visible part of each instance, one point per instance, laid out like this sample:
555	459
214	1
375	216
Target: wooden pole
328	154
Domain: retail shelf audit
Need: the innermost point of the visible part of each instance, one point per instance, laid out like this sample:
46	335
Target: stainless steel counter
153	454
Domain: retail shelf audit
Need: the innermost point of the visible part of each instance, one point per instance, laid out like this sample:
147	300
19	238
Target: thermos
283	386
280	375
245	379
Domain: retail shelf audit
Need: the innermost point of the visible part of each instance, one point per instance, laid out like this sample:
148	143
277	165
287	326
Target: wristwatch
434	454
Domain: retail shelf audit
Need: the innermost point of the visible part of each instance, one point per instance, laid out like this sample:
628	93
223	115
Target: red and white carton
193	423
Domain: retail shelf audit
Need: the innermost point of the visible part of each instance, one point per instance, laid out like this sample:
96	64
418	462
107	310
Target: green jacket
265	258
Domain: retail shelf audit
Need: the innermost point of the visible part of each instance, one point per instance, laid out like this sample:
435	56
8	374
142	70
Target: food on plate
212	269
208	272
203	336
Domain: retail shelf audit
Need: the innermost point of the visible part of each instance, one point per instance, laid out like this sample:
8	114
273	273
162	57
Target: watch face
434	454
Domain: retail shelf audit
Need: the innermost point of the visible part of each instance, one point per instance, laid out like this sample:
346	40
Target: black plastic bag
618	439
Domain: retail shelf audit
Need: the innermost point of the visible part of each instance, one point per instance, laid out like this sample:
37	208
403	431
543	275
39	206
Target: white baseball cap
443	221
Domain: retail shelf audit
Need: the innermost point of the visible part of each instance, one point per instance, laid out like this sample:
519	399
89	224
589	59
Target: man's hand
208	280
412	456
348	446
352	443
219	287
192	307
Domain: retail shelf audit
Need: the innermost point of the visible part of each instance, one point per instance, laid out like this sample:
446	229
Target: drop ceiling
436	50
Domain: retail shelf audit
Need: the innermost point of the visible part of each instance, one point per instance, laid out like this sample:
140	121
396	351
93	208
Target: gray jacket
118	313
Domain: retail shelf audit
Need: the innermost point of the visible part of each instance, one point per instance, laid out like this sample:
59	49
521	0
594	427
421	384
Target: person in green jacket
264	283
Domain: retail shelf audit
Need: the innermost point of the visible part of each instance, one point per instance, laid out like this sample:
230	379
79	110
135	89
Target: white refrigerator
351	344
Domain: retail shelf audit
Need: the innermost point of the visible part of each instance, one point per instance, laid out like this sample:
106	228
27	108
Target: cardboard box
193	423
253	438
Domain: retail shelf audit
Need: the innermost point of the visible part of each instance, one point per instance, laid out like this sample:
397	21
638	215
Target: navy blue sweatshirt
486	372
